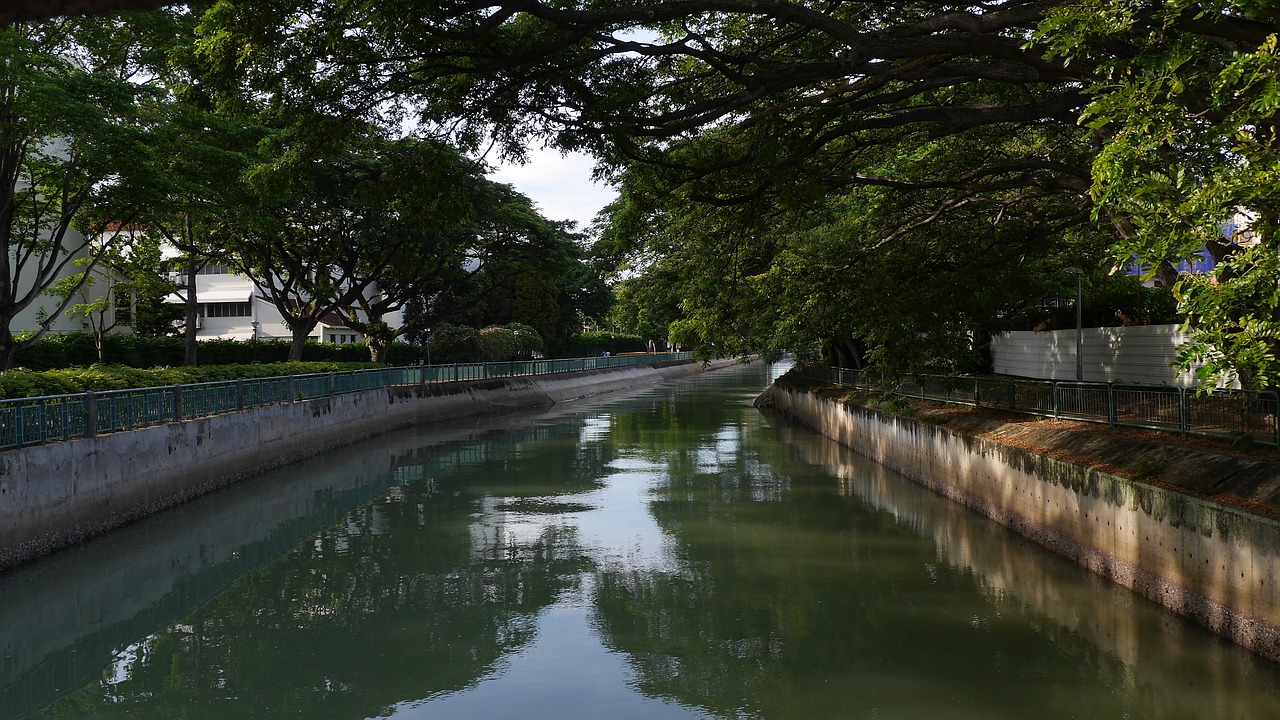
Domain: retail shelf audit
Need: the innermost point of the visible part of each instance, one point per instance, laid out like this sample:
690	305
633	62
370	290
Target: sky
560	185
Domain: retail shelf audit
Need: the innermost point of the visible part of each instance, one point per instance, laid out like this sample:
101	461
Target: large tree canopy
737	128
1186	96
74	167
324	233
16	10
810	172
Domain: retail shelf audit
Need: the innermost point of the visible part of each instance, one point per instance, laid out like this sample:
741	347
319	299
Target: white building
46	305
231	306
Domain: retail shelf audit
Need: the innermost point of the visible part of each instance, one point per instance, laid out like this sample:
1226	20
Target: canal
668	553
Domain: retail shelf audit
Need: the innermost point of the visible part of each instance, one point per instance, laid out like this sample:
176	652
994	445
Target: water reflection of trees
1129	643
790	602
415	595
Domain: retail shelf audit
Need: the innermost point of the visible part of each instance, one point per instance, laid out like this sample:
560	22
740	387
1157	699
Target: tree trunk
192	315
100	340
8	346
378	352
1167	274
299	342
837	349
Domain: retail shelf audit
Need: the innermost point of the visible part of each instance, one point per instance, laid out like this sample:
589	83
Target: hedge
65	350
66	363
590	344
32	383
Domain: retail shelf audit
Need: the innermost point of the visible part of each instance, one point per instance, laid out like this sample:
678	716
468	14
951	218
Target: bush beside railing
37	420
1228	414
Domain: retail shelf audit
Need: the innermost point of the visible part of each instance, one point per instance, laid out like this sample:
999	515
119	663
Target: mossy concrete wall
57	494
1215	564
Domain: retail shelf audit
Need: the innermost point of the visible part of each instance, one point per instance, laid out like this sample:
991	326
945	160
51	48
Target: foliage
528	342
65	350
326	232
883	184
596	342
126	279
201	156
1234	319
1184	99
527	270
496	344
647	304
72	155
450	343
33	383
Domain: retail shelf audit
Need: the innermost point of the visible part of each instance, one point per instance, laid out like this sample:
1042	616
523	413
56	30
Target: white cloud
561	185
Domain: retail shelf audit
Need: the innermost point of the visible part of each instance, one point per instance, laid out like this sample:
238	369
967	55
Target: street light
1079	320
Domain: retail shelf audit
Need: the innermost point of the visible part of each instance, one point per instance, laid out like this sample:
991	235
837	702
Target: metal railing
1227	414
38	420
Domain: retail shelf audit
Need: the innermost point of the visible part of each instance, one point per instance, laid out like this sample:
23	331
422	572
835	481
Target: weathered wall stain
1210	562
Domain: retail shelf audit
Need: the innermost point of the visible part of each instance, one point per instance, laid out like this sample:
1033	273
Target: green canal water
671	553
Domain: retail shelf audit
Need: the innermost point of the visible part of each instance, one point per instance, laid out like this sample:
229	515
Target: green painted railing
1226	414
38	420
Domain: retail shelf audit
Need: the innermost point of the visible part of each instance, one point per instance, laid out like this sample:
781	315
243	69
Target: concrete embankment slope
1185	536
55	495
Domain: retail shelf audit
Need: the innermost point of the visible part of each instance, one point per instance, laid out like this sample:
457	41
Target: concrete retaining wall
55	495
1215	564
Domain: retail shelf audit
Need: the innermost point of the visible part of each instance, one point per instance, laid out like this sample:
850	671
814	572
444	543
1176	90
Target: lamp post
1079	320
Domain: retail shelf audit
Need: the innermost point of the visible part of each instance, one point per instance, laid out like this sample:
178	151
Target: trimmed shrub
597	342
528	341
449	343
66	350
30	383
497	344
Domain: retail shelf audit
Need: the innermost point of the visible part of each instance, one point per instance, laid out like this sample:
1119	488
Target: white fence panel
1136	354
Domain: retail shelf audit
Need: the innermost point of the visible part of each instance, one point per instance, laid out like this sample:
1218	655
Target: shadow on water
116	602
727	564
786	600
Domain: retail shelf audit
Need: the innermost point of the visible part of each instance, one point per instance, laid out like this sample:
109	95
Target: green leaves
72	156
1185	110
1234	318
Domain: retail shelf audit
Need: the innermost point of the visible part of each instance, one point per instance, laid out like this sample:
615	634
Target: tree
200	155
543	277
108	294
777	108
747	116
327	233
446	272
31	10
1186	96
71	159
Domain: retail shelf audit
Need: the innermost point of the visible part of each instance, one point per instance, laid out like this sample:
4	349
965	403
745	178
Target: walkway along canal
667	552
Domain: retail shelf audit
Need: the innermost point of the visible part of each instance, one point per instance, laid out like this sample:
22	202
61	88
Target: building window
123	308
215	269
226	309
